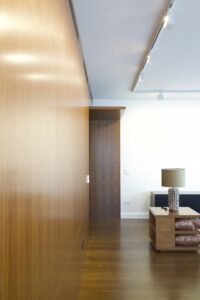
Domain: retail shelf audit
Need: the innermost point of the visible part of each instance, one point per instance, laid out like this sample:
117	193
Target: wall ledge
134	215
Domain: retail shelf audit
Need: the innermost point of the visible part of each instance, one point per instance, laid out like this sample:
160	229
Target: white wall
155	135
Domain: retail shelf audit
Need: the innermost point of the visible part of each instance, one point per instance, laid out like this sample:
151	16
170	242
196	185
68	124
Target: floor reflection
122	265
177	274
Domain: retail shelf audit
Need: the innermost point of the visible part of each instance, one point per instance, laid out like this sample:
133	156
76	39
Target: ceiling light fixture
148	59
164	22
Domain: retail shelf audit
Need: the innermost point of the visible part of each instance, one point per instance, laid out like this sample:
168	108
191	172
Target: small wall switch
126	203
87	179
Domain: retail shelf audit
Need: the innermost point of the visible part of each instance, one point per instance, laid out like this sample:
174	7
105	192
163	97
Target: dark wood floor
121	265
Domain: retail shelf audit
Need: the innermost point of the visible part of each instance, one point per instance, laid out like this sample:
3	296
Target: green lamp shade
173	177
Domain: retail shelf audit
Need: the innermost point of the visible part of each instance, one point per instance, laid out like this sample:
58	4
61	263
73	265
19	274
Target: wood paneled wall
104	163
43	151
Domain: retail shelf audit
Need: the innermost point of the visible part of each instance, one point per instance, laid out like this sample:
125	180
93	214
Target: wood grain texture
104	165
183	212
122	265
162	228
165	233
106	113
44	137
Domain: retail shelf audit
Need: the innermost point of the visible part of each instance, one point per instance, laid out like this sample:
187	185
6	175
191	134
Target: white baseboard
134	215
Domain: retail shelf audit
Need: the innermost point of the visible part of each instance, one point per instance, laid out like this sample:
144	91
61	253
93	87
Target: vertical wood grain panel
104	164
43	152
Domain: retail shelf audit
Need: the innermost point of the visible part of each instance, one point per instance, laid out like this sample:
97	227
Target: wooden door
104	163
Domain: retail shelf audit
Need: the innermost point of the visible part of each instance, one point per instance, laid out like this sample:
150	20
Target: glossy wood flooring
121	265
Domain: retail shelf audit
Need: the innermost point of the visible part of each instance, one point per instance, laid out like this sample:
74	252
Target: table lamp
173	178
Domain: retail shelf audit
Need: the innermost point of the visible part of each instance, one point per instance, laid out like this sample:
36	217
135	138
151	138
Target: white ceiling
115	35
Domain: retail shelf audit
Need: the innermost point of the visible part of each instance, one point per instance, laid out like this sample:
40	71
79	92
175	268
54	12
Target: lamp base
173	199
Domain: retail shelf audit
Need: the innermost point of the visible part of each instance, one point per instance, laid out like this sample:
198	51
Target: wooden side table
162	230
